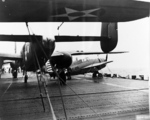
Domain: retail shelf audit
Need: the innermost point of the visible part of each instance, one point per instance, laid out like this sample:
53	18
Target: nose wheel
62	79
14	73
25	78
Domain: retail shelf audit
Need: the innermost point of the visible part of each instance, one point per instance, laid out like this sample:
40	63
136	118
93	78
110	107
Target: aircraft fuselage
72	10
78	68
33	51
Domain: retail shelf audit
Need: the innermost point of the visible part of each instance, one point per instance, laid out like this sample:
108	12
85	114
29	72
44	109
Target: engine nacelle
62	61
110	33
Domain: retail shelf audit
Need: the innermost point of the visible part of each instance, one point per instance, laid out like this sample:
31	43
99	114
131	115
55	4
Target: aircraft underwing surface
20	38
72	10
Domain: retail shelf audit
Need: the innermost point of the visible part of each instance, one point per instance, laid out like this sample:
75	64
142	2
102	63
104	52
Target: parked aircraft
83	66
35	52
109	12
63	61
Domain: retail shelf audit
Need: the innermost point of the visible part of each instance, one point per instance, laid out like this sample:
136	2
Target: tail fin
110	32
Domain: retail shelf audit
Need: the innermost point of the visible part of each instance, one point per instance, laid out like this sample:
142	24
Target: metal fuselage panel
72	10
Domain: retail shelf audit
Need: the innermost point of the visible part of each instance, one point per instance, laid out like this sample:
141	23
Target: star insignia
74	14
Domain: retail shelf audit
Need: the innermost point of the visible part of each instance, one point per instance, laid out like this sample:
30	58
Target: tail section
110	33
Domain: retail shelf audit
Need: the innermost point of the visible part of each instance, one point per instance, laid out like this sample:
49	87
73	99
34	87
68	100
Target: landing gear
62	76
68	76
97	76
14	73
25	78
52	75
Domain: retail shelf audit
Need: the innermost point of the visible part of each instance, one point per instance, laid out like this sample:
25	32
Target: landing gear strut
62	79
25	77
68	76
14	73
97	76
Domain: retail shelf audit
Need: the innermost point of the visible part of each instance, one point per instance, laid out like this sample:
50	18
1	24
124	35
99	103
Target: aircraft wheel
14	74
68	74
69	78
94	74
63	78
25	78
52	75
100	75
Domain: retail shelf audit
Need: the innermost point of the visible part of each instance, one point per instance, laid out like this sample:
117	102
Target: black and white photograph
74	59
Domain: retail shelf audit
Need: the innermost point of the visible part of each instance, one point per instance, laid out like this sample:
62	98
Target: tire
25	78
69	77
63	77
100	75
14	74
94	74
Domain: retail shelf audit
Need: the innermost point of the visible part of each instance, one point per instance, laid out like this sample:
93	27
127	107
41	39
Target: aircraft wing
10	56
72	10
91	53
78	38
57	53
97	64
20	38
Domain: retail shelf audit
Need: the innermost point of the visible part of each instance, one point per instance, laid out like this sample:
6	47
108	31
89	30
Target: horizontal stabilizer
20	38
78	38
10	56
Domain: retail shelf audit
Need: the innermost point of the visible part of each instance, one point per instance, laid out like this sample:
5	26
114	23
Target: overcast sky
132	36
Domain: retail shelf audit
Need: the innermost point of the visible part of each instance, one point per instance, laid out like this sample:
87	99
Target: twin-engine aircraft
35	52
109	12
